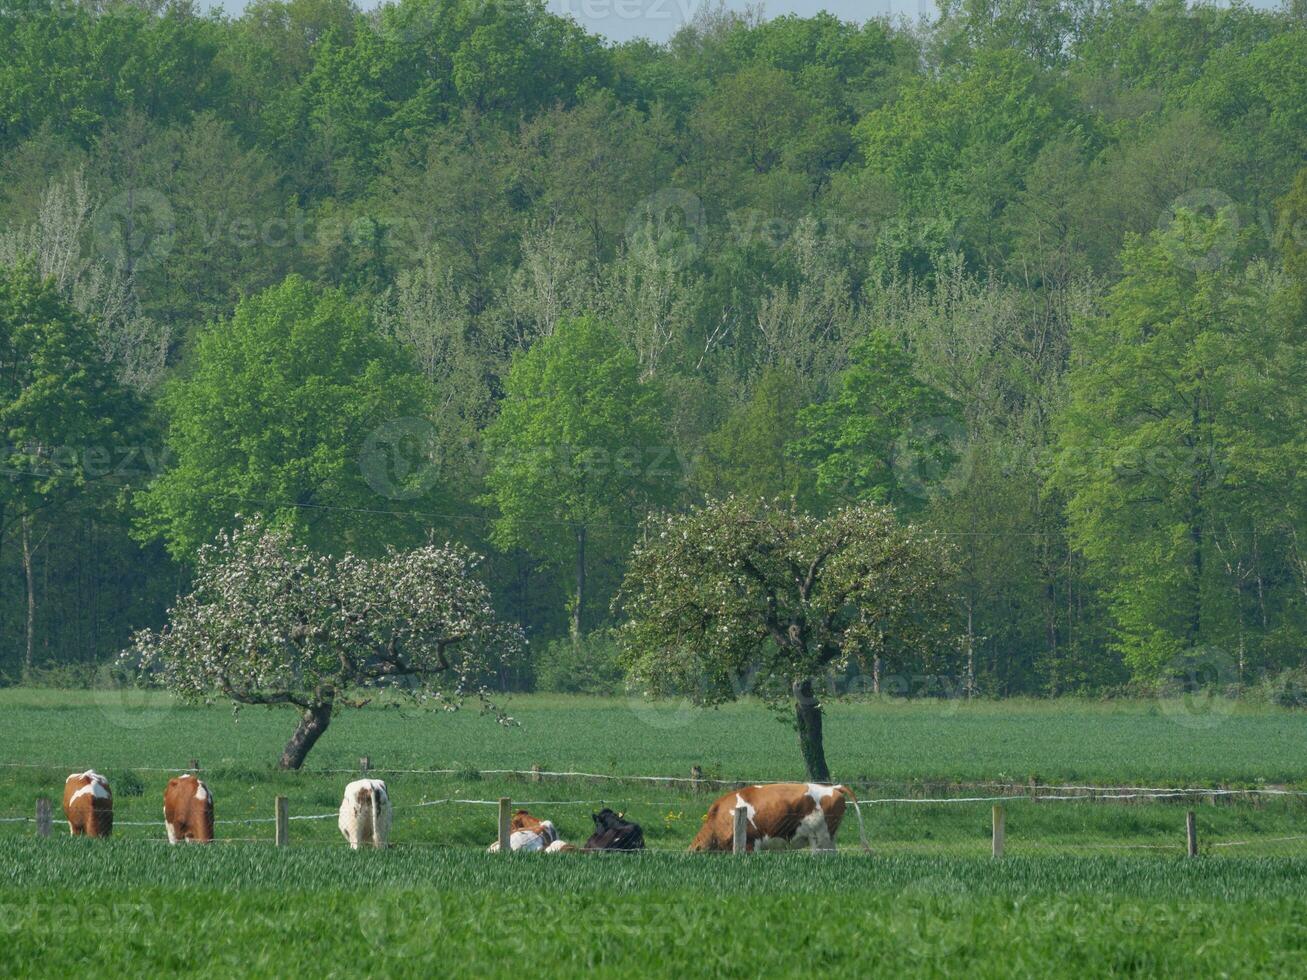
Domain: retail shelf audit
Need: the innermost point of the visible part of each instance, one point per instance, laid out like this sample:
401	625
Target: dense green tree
453	193
290	409
958	145
577	449
883	435
1292	235
77	68
209	214
759	141
837	63
1149	47
423	62
593	164
1159	435
67	423
1259	98
748	454
268	51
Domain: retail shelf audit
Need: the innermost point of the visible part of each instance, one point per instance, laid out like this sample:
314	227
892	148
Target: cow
780	816
612	833
88	804
365	813
188	810
529	833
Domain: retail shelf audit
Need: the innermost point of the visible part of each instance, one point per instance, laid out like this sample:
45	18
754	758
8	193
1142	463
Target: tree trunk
580	585
1196	599
313	722
807	716
31	594
2	545
971	651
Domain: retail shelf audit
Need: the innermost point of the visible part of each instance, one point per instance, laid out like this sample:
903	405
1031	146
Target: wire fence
971	819
1011	788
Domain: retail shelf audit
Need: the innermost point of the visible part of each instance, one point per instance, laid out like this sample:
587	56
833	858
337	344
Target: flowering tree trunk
313	723
807	717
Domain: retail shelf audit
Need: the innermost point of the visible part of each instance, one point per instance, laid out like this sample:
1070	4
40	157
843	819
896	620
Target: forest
1031	273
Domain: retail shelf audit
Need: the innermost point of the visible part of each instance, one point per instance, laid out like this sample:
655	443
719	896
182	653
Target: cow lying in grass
528	833
780	816
612	833
188	810
365	813
88	804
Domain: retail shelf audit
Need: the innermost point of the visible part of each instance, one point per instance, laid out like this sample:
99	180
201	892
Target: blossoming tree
270	622
760	596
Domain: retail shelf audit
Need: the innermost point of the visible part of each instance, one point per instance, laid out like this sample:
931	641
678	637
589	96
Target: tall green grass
134	907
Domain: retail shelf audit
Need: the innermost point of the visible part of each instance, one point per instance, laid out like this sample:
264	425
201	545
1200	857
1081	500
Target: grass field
131	908
1087	887
890	740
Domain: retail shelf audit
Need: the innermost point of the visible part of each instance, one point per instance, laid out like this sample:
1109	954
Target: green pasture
1181	742
1088	887
127	907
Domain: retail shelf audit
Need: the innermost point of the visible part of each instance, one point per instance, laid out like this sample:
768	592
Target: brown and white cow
529	833
780	816
365	813
188	810
88	804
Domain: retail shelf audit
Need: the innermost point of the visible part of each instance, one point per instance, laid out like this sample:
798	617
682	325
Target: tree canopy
281	402
447	267
270	622
742	597
577	448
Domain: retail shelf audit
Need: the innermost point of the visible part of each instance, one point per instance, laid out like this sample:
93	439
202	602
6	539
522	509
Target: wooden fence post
195	765
696	777
365	763
1000	830
535	772
741	840
1191	834
283	822
505	822
43	819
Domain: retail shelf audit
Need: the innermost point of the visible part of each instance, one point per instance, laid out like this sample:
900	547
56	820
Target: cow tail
857	809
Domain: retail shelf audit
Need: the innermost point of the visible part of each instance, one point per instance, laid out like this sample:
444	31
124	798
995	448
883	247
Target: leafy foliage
301	378
848	260
577	446
1167	445
737	597
738	593
271	622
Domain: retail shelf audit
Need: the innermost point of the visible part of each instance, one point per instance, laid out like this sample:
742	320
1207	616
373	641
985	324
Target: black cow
612	833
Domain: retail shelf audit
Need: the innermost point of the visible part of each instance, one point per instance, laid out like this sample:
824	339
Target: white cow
365	813
528	833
